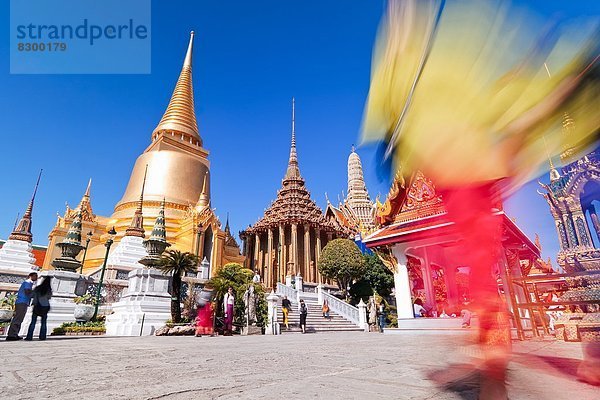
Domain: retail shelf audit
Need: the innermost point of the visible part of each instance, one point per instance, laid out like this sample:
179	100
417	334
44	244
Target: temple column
307	275
402	285
595	222
294	256
200	251
244	243
269	271
282	259
261	259
428	281
256	250
318	254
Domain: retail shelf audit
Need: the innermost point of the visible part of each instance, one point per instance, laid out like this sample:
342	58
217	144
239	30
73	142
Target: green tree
342	261
380	278
176	264
377	279
240	279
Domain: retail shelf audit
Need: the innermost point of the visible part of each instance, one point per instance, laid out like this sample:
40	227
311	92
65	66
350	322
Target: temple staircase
338	321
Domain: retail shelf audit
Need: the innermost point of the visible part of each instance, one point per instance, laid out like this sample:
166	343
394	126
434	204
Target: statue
372	311
250	306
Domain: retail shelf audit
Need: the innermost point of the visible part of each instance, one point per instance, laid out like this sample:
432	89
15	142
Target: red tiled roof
438	225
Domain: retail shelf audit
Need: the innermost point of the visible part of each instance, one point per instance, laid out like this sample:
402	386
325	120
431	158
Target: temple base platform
144	308
432	325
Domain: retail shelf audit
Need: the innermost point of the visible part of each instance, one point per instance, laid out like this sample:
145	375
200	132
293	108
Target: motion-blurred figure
461	90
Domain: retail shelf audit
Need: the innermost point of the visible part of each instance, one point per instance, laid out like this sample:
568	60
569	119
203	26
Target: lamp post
109	242
87	243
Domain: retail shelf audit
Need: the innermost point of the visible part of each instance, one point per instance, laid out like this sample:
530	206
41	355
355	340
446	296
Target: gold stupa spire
180	118
136	228
204	197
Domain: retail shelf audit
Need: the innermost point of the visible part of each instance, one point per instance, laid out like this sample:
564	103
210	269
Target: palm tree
176	263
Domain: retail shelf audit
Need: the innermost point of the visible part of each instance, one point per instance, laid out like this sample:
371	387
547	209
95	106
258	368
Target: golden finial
180	116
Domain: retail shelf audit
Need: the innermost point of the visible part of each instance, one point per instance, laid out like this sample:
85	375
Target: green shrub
91	326
8	302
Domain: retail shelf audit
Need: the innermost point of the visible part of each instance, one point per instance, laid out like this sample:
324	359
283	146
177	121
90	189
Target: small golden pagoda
178	173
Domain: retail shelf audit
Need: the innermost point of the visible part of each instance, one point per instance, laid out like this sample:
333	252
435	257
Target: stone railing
342	308
291	293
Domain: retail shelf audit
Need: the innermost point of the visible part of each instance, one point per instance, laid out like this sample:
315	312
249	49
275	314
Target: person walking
325	309
381	316
303	314
23	299
286	307
41	305
228	306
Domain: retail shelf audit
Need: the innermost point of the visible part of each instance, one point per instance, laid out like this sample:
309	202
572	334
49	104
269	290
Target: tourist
23	298
228	305
418	308
466	314
382	315
256	277
41	305
204	318
303	314
286	307
325	309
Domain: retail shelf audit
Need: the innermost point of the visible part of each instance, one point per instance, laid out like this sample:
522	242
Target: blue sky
250	58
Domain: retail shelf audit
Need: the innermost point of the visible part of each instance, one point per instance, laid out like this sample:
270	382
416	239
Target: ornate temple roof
410	202
180	116
84	207
293	203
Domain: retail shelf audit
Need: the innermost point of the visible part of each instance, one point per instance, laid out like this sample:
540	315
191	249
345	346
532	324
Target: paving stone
334	365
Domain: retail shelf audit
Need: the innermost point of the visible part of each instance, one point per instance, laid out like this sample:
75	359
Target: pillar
402	285
428	281
318	254
201	245
269	274
256	251
282	261
272	327
307	274
362	316
294	256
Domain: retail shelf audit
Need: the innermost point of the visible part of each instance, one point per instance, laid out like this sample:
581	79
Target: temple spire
23	229
293	172
204	198
180	118
136	228
85	206
227	224
159	232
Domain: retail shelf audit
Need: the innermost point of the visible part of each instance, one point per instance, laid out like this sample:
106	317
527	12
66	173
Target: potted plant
84	308
7	307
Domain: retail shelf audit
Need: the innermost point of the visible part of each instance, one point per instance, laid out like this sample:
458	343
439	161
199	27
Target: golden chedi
178	173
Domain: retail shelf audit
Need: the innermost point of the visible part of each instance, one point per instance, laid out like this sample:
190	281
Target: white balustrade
291	293
342	308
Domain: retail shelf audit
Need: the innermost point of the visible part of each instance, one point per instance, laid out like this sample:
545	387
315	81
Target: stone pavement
336	365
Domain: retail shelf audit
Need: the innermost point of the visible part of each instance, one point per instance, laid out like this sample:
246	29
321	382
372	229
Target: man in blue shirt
21	304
